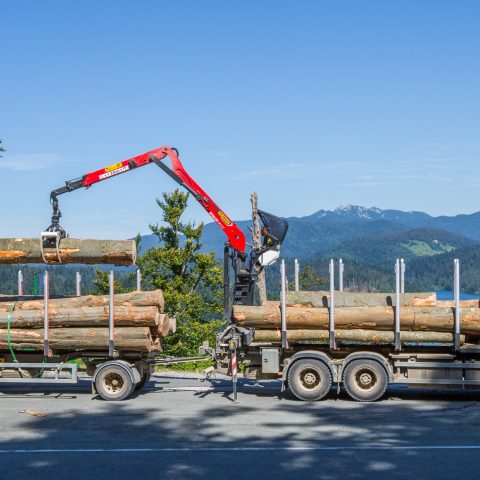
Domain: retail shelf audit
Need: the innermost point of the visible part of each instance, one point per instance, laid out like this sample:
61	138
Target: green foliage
1	148
101	284
310	280
189	338
191	281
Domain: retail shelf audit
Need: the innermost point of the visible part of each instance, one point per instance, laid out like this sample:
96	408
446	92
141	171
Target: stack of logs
361	318
82	323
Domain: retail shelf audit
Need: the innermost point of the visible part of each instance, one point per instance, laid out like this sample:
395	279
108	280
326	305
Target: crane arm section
177	172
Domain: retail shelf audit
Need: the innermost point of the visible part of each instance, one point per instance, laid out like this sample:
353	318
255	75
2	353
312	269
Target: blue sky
312	104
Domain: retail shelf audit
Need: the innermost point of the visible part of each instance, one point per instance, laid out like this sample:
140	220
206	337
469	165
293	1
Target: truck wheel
309	380
365	380
113	383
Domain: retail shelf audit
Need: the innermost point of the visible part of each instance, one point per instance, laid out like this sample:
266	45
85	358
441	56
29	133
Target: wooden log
358	299
125	338
354	336
167	326
83	317
370	318
133	299
72	250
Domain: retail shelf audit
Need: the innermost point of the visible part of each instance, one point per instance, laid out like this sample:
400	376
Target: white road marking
239	449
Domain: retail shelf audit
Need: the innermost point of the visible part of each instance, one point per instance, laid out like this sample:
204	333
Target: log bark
125	338
356	336
134	299
72	250
359	299
433	319
84	317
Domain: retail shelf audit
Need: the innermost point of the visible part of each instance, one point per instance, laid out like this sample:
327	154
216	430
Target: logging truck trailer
116	370
363	362
309	371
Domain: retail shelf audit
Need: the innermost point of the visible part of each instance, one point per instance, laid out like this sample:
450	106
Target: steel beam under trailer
57	369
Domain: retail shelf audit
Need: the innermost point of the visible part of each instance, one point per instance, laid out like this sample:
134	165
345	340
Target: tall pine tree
191	280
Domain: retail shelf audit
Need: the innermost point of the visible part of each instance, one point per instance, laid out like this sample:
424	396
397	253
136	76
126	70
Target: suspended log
359	299
370	318
84	317
72	250
134	299
354	336
137	339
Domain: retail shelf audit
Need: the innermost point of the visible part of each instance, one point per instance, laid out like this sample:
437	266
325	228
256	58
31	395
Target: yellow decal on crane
226	220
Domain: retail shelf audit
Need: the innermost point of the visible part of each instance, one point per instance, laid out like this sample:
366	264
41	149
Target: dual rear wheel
310	380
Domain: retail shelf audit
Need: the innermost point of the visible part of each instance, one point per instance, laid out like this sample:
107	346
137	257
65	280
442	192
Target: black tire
365	380
114	383
145	379
309	380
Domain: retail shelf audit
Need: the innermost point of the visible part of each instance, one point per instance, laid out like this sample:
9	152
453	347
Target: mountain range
371	239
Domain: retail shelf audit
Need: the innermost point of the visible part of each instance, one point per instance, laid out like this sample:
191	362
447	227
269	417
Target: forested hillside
368	239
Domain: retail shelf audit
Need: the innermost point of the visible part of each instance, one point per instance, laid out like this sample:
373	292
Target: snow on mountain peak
358	211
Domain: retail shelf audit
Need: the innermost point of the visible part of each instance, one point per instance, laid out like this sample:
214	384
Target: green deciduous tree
1	148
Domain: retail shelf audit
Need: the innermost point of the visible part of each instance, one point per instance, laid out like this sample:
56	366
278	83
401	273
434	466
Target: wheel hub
310	379
114	382
366	379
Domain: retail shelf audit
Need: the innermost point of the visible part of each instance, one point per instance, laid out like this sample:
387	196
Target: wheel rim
310	378
365	378
114	383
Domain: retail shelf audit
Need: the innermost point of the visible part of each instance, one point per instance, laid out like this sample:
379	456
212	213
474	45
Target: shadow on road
262	437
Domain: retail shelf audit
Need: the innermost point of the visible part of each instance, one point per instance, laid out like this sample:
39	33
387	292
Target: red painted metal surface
235	236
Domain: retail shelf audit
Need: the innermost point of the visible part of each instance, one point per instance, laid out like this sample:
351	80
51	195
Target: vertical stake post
283	301
398	344
78	284
139	280
341	269
111	323
297	276
46	318
456	290
402	275
331	311
20	283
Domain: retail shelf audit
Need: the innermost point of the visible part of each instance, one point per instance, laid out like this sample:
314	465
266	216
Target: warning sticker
111	173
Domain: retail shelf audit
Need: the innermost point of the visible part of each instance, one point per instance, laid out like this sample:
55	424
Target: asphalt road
198	432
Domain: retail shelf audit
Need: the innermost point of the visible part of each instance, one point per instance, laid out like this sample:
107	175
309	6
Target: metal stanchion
20	284
111	323
139	280
341	269
46	319
402	275
398	344
458	313
78	284
283	301
331	311
297	276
